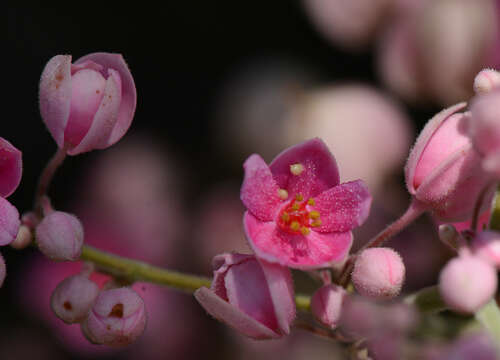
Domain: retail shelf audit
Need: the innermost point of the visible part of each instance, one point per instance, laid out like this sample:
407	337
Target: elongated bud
60	236
73	298
378	273
326	304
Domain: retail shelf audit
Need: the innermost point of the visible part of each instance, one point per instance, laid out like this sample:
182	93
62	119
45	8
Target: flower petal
11	167
55	96
259	191
221	264
319	173
9	222
296	251
233	317
128	91
343	207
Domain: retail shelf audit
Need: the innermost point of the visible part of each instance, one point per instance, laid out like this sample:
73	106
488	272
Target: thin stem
132	270
415	209
46	177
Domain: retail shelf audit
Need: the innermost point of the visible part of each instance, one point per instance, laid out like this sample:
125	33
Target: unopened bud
486	80
326	304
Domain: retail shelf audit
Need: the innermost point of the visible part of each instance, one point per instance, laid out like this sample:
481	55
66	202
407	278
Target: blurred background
217	82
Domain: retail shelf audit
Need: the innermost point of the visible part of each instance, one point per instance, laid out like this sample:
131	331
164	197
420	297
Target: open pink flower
298	213
88	104
254	297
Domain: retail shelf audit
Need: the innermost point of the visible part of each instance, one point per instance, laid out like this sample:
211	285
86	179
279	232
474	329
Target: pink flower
264	312
298	215
444	171
89	104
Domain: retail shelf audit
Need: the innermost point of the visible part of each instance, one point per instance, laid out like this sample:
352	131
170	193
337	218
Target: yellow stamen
296	169
311	202
283	194
295	226
316	223
295	206
299	197
314	214
304	230
285	217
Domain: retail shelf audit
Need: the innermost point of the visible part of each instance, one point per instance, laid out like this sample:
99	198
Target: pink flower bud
3	270
60	236
360	318
73	298
266	311
117	318
89	104
486	245
443	170
466	283
326	304
378	273
9	224
11	166
486	80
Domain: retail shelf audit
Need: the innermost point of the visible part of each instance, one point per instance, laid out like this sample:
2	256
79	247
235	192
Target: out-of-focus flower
378	273
467	283
426	53
477	346
298	213
352	23
326	304
444	171
73	298
265	312
89	104
60	236
117	318
486	245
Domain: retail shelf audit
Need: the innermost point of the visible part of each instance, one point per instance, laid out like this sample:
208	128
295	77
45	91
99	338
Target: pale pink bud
486	80
23	239
117	318
266	311
73	298
466	283
443	170
378	273
9	224
3	270
89	104
326	304
486	245
60	236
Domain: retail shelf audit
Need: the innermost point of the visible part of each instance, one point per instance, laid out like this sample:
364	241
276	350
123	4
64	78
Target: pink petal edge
11	168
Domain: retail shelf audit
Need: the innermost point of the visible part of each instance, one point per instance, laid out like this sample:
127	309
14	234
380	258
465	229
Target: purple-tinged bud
477	346
326	304
89	104
3	270
486	80
444	171
60	236
117	318
23	239
73	298
486	245
10	222
466	283
378	273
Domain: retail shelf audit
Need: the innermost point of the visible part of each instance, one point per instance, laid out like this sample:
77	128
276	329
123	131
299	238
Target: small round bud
486	80
326	304
60	236
23	238
378	273
3	270
117	318
73	298
466	283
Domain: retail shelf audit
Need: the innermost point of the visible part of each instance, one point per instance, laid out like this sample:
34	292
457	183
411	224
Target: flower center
296	218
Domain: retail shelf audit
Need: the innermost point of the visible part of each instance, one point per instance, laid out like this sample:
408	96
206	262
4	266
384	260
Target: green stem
132	270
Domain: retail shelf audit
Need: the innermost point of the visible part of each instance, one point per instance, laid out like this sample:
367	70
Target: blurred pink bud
378	273
117	318
477	346
326	304
486	80
89	104
11	167
23	239
60	236
266	311
3	270
360	318
73	298
466	283
443	170
9	224
486	245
